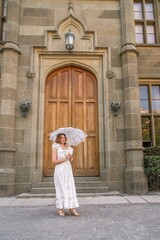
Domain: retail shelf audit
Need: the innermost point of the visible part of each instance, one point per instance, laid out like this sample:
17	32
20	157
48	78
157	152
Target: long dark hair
58	138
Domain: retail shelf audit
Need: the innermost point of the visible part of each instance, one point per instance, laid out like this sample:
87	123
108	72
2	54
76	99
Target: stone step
47	190
53	195
76	179
77	183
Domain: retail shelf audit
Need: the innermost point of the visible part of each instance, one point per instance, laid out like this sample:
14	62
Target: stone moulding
134	149
11	46
128	47
7	149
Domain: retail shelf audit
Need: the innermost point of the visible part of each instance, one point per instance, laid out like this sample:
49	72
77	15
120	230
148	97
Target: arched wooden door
71	101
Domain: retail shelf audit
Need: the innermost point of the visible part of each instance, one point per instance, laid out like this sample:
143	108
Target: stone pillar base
7	177
136	180
37	176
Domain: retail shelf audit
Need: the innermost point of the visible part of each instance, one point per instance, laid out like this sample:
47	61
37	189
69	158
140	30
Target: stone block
8	106
10	68
22	174
37	12
9	80
129	58
136	181
6	135
7	121
116	60
118	84
131	93
22	158
117	186
132	134
132	107
110	14
7	177
134	158
24	60
48	21
19	136
6	159
31	39
7	190
130	71
130	81
117	174
13	15
22	188
8	93
133	120
120	133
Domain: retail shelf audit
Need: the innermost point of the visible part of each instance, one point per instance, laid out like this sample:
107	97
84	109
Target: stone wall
104	20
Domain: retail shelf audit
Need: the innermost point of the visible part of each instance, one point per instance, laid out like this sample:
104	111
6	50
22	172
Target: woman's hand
70	157
67	157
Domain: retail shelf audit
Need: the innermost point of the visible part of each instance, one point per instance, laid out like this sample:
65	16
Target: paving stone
135	199
96	221
151	199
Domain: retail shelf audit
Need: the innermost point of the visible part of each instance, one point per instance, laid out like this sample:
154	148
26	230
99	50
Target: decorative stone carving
24	107
115	106
110	74
30	74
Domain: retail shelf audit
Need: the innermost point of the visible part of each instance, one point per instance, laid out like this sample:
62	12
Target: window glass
157	130
150	34
156	92
4	7
146	131
150	114
144	101
156	99
139	33
137	10
149	11
3	30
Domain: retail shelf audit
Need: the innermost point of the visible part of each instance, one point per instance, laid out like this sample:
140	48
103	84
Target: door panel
71	100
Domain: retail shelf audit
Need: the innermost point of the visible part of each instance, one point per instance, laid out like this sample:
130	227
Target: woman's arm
54	157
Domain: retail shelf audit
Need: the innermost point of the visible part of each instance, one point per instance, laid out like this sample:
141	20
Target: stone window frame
3	12
150	116
144	22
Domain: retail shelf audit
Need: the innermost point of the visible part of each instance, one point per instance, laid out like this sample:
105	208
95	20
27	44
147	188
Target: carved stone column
136	181
10	54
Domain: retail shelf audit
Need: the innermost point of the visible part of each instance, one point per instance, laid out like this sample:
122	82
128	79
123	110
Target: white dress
64	181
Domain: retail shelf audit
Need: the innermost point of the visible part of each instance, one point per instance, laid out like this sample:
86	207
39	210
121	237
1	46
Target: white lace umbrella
74	135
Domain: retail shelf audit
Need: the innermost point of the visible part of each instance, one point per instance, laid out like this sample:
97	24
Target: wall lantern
24	107
69	37
115	106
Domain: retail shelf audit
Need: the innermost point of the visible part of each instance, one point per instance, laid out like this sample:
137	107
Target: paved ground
101	218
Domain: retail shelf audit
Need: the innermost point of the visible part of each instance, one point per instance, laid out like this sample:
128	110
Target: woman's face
62	139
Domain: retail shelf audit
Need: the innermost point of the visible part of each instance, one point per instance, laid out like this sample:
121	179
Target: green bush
152	169
152	151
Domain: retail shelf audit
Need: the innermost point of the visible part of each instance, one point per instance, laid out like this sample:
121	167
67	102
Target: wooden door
71	101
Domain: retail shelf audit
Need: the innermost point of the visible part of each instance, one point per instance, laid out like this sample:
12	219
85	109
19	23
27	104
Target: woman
63	177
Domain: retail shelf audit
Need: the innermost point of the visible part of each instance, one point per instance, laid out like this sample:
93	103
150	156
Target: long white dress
64	181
